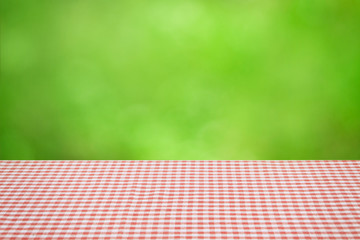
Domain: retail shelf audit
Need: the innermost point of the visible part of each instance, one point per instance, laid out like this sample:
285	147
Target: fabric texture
180	200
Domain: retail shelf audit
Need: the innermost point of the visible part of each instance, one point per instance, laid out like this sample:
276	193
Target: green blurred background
180	79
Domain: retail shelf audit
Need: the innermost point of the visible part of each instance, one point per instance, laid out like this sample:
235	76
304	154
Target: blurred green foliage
180	79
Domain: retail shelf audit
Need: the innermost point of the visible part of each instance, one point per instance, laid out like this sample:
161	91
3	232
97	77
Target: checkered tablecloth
180	200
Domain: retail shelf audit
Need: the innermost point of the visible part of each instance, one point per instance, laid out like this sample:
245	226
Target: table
180	200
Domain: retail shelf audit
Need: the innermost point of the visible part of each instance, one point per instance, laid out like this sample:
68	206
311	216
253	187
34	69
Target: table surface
180	200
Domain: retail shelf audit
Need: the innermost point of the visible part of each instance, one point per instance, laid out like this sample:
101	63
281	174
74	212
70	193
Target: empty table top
180	200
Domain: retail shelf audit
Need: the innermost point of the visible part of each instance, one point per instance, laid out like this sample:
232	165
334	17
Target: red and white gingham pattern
180	200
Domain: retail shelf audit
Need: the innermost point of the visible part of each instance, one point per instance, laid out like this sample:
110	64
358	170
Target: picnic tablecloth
180	200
